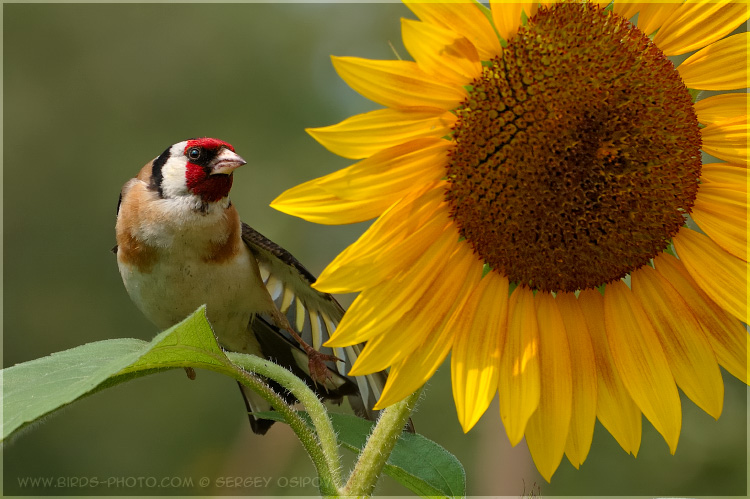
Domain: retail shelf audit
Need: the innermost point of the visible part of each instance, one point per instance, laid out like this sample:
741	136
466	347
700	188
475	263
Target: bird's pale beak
226	162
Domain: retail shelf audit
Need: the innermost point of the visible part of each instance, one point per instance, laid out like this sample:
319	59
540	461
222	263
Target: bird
181	244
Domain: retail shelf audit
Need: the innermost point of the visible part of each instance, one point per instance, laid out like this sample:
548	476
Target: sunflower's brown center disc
577	152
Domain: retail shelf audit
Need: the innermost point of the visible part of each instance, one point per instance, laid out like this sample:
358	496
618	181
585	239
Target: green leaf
416	462
36	388
190	343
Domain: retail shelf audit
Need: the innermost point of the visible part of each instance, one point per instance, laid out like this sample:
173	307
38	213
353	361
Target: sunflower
544	214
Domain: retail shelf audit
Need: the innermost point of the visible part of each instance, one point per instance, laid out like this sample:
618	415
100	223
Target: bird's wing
313	314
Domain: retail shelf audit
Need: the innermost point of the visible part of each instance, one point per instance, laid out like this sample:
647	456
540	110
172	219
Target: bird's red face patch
210	188
198	177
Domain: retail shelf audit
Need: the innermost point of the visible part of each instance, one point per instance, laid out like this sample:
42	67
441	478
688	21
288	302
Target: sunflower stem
379	446
322	447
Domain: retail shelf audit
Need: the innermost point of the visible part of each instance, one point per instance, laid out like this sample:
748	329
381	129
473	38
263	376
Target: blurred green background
93	92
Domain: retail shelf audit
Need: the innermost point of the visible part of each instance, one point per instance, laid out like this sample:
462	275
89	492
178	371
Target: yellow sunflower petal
687	349
478	343
641	362
722	276
376	309
364	274
391	244
397	84
417	324
724	173
464	18
628	9
507	16
310	202
696	25
651	16
583	370
723	107
721	212
547	429
727	140
389	345
615	407
727	334
720	66
410	373
391	174
519	382
441	52
366	189
365	134
416	368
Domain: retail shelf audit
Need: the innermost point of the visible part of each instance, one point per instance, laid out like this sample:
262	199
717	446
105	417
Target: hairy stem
325	443
379	445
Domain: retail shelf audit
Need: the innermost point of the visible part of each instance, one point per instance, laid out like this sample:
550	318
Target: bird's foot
319	371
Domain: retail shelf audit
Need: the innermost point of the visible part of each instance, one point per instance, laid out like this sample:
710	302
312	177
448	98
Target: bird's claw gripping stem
319	371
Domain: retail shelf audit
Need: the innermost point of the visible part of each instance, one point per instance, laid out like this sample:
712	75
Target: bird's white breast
181	280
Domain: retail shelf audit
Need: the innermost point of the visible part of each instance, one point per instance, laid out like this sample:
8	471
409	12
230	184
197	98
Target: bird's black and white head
200	169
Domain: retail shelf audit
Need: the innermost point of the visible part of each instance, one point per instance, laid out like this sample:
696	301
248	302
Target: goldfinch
181	244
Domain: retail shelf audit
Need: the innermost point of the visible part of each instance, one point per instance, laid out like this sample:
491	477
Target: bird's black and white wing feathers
313	314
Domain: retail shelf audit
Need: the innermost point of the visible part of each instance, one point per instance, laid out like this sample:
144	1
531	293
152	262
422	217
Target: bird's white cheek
173	182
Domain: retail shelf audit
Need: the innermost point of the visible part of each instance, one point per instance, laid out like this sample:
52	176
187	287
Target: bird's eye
194	153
